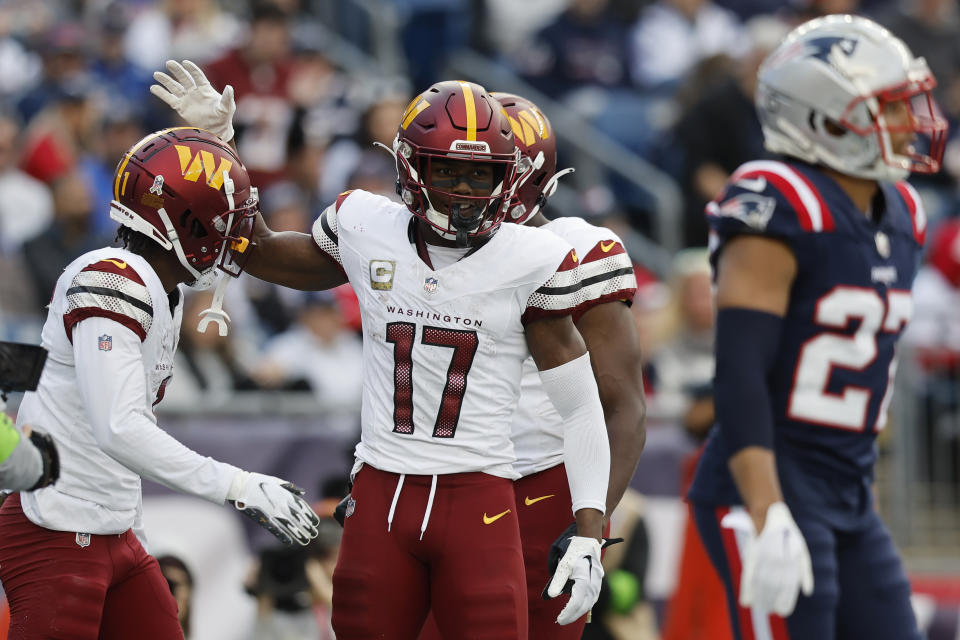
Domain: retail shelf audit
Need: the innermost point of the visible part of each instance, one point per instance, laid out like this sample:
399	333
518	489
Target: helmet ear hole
834	128
197	230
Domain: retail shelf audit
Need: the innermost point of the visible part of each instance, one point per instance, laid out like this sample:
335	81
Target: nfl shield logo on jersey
83	540
105	342
351	507
430	284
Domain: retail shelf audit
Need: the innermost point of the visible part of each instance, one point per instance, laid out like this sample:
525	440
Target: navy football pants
860	589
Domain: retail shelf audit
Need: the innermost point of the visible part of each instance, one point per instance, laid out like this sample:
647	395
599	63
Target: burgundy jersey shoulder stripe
71	319
115	266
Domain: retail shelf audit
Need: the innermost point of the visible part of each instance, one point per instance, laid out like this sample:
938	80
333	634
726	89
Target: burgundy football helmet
455	120
537	174
189	192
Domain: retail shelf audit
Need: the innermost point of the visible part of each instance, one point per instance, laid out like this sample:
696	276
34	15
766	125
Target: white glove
190	94
776	564
275	505
581	563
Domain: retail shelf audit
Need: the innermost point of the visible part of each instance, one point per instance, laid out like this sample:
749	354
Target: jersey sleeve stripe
609	275
117	267
562	282
71	318
918	215
825	215
558	296
800	193
325	234
116	295
103	291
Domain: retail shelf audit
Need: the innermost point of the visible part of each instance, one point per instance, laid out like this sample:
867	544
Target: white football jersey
443	349
607	274
96	395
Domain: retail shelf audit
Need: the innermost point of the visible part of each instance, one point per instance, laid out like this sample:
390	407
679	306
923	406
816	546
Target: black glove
51	460
557	551
340	513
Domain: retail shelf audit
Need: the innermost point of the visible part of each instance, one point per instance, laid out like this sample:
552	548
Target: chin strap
215	312
175	243
464	225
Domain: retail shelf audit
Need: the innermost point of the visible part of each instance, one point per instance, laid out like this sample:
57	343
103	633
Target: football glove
190	94
340	511
575	569
51	460
776	563
275	505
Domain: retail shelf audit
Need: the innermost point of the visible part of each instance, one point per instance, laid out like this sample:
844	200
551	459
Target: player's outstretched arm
754	280
287	258
565	372
612	339
113	388
291	259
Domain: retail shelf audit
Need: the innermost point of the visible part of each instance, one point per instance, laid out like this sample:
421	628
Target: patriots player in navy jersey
814	256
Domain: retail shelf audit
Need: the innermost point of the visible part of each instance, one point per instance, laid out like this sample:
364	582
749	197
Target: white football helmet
823	93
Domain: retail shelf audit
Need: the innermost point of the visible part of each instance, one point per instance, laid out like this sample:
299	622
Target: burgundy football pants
543	510
468	568
59	589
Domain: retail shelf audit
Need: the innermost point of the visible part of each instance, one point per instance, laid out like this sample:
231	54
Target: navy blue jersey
831	383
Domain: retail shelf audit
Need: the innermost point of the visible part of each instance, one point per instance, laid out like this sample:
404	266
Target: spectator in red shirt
259	70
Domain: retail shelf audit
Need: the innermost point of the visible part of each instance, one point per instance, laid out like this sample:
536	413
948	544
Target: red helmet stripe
471	106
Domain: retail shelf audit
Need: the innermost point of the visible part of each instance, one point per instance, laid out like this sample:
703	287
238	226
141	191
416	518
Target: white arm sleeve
113	388
586	451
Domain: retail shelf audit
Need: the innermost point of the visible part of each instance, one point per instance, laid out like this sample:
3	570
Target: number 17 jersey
443	349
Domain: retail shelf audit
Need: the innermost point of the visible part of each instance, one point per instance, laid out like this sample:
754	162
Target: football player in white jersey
72	556
610	333
451	303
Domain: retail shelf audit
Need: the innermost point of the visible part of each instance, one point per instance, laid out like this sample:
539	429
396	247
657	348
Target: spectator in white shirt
672	36
319	349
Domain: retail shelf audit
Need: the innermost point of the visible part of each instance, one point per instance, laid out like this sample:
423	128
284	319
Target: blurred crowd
671	80
317	82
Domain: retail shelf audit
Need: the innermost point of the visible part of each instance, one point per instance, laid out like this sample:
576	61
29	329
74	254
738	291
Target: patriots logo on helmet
821	48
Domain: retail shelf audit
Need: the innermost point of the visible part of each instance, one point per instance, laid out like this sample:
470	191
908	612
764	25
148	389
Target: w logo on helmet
529	126
193	165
